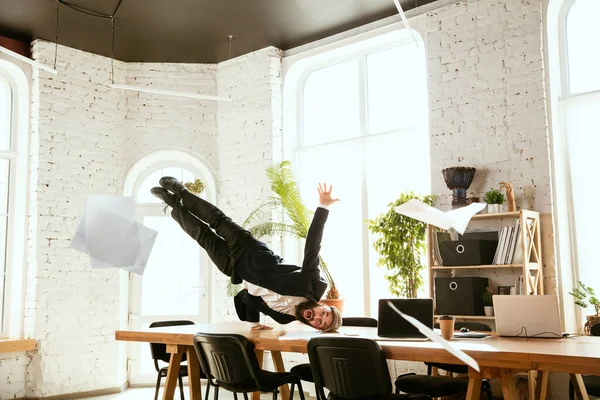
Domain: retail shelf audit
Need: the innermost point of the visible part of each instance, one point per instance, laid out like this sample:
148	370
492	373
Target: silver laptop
527	316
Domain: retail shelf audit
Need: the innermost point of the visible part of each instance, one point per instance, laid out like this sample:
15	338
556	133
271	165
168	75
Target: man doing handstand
282	291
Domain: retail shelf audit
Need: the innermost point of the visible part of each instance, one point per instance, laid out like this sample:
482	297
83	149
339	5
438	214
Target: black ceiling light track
93	14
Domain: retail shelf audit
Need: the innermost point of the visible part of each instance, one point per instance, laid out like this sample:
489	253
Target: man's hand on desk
261	327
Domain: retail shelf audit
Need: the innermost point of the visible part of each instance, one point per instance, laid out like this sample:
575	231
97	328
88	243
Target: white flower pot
489	311
494	208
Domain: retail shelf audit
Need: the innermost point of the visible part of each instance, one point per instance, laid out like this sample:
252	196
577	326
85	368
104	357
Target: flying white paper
457	219
111	236
461	355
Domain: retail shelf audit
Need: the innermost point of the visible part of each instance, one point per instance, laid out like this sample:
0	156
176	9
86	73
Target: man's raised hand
325	195
261	327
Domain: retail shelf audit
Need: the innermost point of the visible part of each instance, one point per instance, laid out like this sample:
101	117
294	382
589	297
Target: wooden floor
148	394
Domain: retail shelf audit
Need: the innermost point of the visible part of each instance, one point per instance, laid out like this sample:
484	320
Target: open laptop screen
527	316
390	324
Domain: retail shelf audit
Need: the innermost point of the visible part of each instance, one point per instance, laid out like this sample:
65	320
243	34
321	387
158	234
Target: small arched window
14	124
176	282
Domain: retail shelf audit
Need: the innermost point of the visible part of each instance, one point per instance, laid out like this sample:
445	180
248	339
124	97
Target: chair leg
235	396
217	392
487	388
292	390
157	386
300	391
207	388
275	394
571	391
245	396
181	388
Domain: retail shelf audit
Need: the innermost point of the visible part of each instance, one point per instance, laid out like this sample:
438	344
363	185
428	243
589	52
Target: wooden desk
497	357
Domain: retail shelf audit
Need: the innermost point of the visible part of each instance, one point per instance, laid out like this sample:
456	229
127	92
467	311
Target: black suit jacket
260	266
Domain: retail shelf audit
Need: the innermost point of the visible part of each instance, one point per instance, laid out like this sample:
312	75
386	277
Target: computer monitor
392	325
527	316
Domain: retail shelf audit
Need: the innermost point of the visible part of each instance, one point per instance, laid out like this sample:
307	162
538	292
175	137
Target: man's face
319	317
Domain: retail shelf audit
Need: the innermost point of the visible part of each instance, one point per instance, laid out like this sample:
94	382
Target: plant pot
458	179
337	303
489	311
494	208
591	321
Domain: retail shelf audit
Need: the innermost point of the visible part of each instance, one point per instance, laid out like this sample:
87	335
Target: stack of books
510	250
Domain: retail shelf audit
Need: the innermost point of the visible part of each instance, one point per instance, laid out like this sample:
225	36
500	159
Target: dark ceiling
189	30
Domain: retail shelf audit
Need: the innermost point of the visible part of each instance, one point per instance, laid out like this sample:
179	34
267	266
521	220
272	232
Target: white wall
84	138
488	104
249	140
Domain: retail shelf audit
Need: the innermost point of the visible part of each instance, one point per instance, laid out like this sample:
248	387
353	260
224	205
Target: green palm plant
286	195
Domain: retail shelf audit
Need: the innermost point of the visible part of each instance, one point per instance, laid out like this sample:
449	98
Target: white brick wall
157	122
487	97
85	136
487	101
77	150
249	140
13	375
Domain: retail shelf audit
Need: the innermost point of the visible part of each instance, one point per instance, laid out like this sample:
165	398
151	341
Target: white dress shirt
275	301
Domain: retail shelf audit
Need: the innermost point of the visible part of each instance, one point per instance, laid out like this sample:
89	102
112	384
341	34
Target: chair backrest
230	358
595	330
359	321
159	350
471	326
350	368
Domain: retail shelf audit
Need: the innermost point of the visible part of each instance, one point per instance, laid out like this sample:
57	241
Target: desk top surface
561	355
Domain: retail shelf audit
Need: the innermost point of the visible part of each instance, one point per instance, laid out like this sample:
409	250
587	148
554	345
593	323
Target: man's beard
300	308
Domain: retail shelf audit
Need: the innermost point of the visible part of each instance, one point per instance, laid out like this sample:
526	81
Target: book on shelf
438	238
500	248
513	242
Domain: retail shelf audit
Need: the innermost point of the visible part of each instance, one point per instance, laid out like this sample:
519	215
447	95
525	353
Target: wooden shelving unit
531	245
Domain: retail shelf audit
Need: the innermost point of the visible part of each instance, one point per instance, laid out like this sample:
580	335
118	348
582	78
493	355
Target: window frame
296	76
563	208
17	222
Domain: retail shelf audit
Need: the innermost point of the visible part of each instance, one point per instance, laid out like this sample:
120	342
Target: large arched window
361	125
14	99
575	87
176	282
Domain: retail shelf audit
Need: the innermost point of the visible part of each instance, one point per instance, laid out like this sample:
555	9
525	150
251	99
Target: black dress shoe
172	184
170	199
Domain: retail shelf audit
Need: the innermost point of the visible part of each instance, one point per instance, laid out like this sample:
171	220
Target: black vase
458	179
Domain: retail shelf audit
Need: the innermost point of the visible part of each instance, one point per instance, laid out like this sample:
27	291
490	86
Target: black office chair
305	372
159	353
231	360
351	369
591	382
442	386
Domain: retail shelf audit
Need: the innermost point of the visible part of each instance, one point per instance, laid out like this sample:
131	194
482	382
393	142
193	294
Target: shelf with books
520	231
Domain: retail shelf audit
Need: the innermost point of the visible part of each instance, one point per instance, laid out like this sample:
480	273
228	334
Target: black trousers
226	246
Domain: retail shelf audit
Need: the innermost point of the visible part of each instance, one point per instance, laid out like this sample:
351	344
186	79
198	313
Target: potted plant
584	297
195	187
401	246
287	196
494	199
488	303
